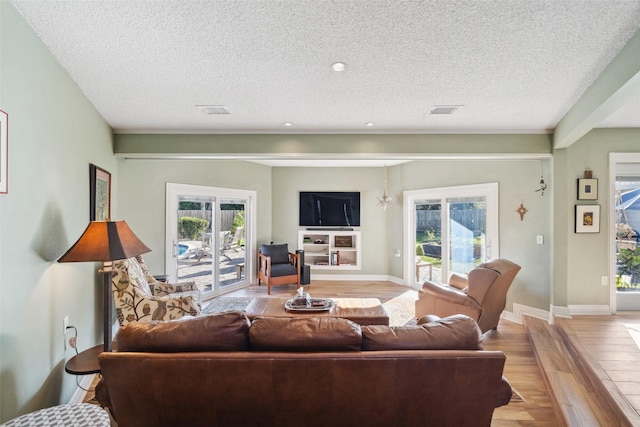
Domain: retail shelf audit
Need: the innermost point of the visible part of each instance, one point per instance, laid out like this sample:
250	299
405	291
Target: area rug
223	304
400	308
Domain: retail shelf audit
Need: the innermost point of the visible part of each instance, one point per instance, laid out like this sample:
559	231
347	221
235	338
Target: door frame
171	202
490	190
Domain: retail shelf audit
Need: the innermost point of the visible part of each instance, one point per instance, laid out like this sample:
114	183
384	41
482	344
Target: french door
210	237
449	230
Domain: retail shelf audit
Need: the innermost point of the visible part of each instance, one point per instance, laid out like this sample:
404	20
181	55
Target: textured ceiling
515	66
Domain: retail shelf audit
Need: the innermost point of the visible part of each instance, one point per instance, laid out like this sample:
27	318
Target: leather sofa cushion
305	334
457	332
279	253
216	332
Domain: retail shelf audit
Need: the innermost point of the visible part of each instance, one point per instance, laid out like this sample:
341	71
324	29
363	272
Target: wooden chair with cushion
278	266
482	295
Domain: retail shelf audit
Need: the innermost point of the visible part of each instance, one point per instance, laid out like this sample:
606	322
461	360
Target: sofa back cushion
216	332
279	253
457	332
305	334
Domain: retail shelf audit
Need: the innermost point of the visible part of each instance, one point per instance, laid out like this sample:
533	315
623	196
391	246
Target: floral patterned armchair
139	297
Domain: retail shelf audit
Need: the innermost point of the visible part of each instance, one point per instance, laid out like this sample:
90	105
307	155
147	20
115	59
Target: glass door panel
231	238
194	247
428	237
466	233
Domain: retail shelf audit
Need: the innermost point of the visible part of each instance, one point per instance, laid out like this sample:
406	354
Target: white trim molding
359	277
519	311
80	394
589	310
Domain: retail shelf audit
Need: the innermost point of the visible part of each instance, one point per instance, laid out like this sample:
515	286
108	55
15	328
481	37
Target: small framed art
587	218
587	189
4	152
100	194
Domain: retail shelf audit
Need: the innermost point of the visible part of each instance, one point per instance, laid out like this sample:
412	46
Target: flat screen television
329	209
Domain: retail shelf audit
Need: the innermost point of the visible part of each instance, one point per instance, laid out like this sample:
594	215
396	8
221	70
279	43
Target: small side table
239	270
419	264
85	363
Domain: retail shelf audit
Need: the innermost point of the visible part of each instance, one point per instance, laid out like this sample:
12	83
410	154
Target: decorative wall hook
543	185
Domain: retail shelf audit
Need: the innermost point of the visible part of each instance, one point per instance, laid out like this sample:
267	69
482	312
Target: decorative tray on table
309	304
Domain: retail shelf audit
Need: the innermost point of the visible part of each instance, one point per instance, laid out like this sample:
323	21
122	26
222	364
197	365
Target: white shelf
330	250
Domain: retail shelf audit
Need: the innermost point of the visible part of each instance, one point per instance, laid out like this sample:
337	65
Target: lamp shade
105	241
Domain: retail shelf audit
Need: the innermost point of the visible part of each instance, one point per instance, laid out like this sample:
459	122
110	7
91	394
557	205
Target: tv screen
329	209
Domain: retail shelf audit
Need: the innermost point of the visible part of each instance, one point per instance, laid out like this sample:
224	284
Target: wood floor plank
539	365
521	366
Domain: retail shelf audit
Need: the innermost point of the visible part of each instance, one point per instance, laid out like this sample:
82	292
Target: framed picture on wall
587	218
4	152
100	194
587	189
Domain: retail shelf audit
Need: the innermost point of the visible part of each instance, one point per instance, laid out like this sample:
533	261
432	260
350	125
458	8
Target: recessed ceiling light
370	124
338	66
288	124
445	109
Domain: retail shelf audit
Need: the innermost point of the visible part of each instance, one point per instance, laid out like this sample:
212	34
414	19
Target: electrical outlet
540	239
604	281
65	325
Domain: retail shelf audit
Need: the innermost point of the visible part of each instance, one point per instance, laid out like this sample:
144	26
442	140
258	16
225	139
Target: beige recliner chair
482	295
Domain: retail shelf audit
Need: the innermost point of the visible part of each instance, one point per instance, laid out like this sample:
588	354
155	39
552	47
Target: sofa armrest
132	305
164	289
454	296
458	281
505	393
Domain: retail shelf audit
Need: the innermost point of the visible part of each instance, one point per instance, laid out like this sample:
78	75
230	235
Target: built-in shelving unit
331	249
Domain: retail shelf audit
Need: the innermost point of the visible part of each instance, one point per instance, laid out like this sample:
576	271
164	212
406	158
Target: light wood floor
521	367
580	372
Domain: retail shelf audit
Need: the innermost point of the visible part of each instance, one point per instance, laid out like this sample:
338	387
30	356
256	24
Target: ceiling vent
444	109
213	109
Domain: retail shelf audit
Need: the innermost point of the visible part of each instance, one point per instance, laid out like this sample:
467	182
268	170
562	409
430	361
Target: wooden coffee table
364	311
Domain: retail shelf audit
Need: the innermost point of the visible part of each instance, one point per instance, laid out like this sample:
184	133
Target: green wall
581	259
54	133
142	187
289	181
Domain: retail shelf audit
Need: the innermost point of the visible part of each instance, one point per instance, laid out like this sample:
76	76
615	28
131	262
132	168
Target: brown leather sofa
223	370
482	295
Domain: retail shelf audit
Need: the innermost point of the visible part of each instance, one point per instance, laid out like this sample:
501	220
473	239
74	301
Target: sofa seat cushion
305	334
216	332
279	270
458	332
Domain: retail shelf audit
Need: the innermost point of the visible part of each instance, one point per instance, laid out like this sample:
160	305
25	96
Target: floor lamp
105	241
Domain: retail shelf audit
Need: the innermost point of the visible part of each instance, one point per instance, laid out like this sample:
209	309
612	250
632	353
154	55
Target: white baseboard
79	395
519	311
589	310
359	278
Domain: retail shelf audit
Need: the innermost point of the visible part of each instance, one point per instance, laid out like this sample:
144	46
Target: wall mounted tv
329	209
